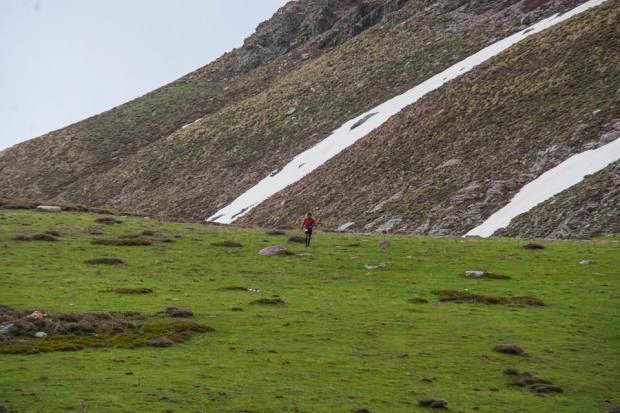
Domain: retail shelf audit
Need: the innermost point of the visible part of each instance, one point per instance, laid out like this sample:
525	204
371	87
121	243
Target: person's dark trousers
308	236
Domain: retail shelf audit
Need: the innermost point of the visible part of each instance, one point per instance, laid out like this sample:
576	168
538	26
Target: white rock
474	274
49	208
346	226
374	266
40	334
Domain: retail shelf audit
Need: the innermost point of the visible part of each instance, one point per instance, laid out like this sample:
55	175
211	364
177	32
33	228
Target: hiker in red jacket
309	222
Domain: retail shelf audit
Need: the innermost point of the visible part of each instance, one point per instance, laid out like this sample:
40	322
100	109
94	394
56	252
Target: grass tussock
35	237
105	261
268	301
531	382
464	296
76	331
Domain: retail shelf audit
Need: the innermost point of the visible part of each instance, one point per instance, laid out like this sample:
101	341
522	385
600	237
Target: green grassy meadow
347	339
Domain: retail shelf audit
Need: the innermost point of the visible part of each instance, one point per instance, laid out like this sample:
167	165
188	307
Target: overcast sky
64	60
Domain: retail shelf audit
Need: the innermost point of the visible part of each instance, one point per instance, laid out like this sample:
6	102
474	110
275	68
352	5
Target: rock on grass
465	296
227	244
160	342
108	221
533	246
178	312
268	301
433	403
105	261
532	383
274	250
508	349
34	237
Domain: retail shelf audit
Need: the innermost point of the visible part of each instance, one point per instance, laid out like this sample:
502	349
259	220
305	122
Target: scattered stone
105	261
609	137
269	301
297	239
474	274
34	237
527	19
291	111
344	227
485	275
533	246
465	296
40	334
107	221
362	120
49	208
374	266
532	383
449	163
274	250
179	312
508	349
161	342
227	244
433	403
584	262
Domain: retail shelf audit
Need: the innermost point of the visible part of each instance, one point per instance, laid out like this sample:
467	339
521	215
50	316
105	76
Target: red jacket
309	222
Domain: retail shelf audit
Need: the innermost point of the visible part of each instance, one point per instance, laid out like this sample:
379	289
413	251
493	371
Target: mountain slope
58	164
193	171
588	209
446	163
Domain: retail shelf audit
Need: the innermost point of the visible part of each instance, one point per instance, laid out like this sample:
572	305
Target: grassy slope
195	170
338	344
507	121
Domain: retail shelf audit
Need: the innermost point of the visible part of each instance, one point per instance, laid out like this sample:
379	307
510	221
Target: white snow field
351	131
555	180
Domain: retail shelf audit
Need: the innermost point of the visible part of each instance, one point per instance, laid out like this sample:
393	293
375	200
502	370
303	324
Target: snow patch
555	180
345	136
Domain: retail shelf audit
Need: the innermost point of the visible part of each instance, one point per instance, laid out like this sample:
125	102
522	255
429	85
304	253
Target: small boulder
48	208
433	403
533	246
374	266
40	334
274	250
508	349
474	274
179	312
161	342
